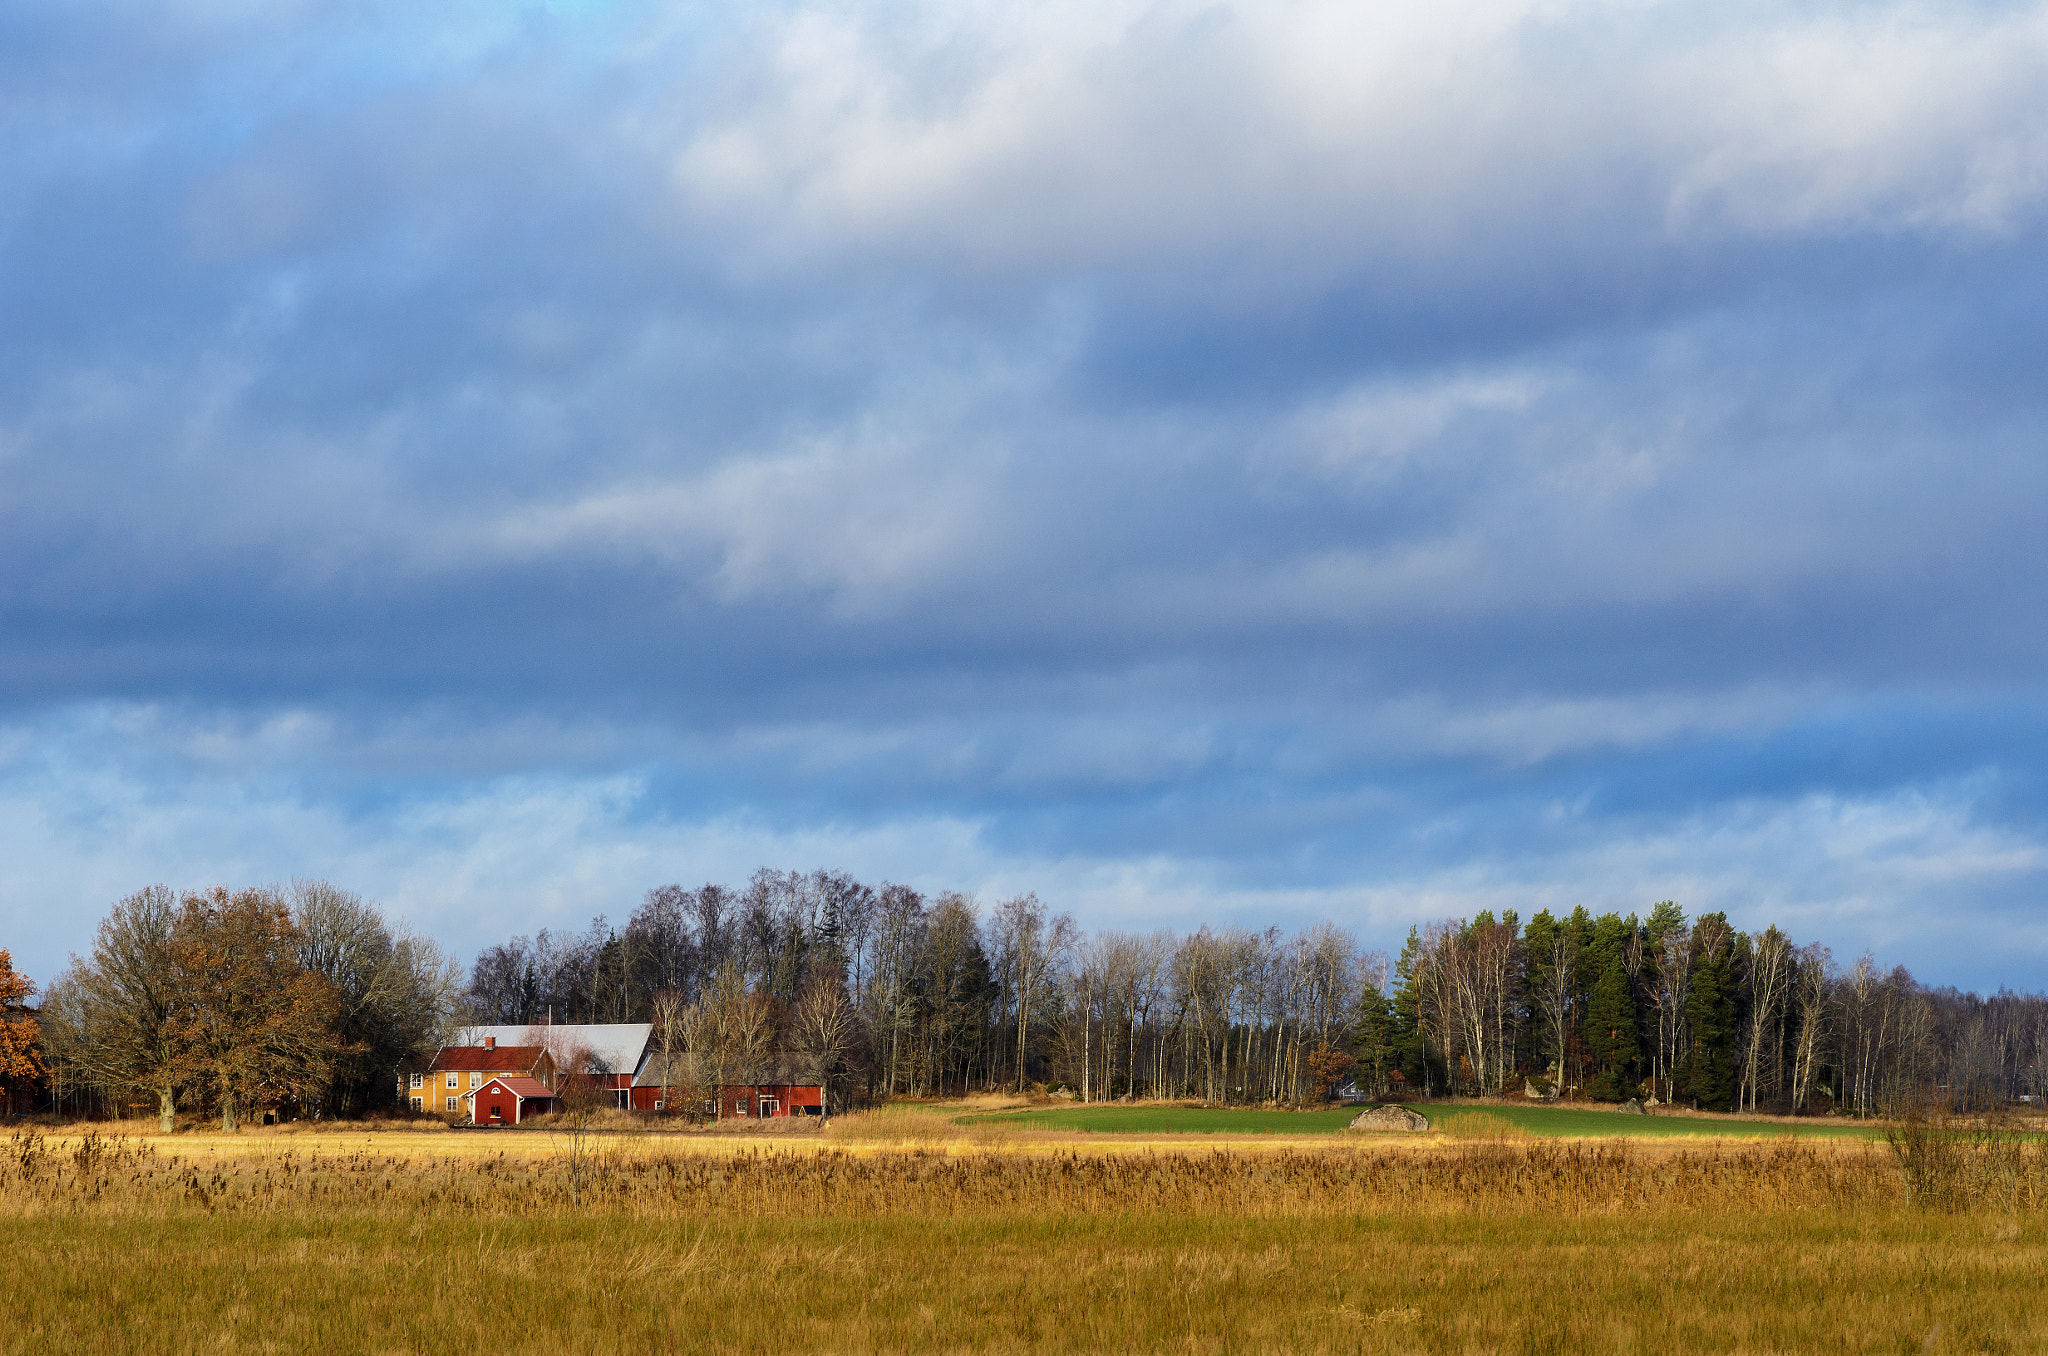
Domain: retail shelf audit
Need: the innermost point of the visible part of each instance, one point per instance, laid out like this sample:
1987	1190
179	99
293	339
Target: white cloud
862	519
1326	132
113	799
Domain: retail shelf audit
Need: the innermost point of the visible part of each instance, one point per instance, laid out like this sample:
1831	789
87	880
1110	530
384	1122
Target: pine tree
1610	1029
1418	1066
1374	1039
1709	1072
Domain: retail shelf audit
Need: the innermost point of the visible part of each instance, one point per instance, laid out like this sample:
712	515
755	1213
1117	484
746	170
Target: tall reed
1953	1170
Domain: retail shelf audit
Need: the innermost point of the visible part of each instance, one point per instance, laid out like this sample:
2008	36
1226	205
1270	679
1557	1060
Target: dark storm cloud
1192	460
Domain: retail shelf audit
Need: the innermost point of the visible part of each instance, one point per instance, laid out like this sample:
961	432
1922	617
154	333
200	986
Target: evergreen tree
1709	1071
1419	1066
1610	1028
1374	1039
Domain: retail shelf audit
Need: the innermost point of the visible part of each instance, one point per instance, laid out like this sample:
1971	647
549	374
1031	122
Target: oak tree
252	1025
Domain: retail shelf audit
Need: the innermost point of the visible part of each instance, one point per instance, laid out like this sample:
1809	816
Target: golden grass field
901	1231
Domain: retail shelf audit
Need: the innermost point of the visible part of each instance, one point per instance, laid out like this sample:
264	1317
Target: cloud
1187	459
1147	135
98	806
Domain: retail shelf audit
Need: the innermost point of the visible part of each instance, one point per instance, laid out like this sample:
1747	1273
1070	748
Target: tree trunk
1023	1025
1087	1066
166	1109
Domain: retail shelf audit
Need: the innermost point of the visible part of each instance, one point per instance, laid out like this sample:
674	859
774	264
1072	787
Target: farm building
612	1053
446	1085
510	1099
781	1091
773	1099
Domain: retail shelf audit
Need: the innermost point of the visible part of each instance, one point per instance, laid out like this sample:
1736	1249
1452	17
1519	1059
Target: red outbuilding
773	1099
510	1100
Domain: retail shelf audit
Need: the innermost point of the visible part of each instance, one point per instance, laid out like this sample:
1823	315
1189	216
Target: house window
452	1080
476	1080
451	1103
419	1080
657	1104
768	1106
416	1101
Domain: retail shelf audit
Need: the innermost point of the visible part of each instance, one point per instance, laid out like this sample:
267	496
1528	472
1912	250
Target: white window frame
416	1102
452	1103
476	1080
419	1080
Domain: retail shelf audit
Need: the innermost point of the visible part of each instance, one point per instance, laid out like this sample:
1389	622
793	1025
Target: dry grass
1480	1125
1469	1243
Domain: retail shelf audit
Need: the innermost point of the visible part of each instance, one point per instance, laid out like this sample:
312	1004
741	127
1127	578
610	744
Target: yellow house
447	1087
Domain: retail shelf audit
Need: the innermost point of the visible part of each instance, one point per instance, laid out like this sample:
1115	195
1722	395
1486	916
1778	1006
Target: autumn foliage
256	1027
1327	1069
21	1065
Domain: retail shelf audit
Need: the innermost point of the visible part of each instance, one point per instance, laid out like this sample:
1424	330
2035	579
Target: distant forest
946	996
305	997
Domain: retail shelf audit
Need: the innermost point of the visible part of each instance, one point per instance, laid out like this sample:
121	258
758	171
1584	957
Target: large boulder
1389	1118
1633	1108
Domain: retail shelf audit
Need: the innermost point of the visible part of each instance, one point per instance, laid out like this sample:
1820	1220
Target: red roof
525	1089
485	1059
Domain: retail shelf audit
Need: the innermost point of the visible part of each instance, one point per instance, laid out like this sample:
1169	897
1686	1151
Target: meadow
855	1242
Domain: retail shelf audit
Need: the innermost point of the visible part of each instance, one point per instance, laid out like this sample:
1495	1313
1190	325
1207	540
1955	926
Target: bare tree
730	1033
1039	946
580	1095
1812	1001
1770	976
822	1025
669	1011
396	991
131	999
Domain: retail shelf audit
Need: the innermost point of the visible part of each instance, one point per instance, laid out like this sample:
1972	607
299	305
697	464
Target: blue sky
1202	462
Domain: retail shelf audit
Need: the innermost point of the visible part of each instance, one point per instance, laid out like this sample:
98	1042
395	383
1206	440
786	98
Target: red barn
782	1091
773	1099
508	1100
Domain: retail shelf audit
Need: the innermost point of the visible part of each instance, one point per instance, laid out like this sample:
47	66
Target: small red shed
507	1100
773	1099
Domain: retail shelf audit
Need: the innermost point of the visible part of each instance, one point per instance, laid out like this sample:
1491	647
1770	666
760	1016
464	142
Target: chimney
490	1042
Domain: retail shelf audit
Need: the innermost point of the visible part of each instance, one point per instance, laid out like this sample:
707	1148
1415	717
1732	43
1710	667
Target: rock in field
1389	1118
1633	1107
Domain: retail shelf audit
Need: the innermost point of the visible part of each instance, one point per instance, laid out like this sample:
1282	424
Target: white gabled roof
620	1046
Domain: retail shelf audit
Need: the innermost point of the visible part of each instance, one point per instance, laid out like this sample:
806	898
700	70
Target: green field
1589	1121
1173	1120
1544	1121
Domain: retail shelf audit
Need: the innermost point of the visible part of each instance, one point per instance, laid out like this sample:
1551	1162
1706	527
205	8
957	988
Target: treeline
305	999
299	1000
946	996
1691	1011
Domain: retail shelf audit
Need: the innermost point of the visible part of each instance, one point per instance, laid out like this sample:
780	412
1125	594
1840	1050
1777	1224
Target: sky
1204	463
